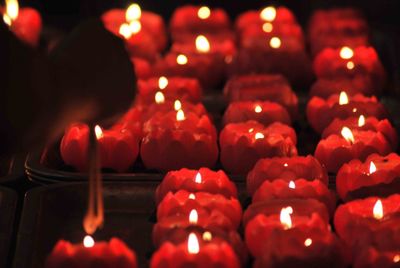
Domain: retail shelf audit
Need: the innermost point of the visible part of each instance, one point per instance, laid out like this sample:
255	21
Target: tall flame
378	210
268	14
159	97
361	121
12	11
193	244
372	167
177	105
204	12
347	134
98	131
162	82
202	44
285	218
343	98
180	115
198	178
346	53
275	42
88	241
133	12
193	216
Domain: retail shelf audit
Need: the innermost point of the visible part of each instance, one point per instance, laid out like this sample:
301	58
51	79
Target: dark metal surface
12	169
8	204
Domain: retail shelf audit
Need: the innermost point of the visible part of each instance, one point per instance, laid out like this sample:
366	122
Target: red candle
377	175
202	180
137	26
360	84
118	147
25	23
260	228
362	123
176	140
264	112
285	168
305	247
101	254
195	253
172	88
300	207
320	112
243	144
262	87
188	21
183	202
336	150
131	120
362	217
286	55
299	188
348	62
142	68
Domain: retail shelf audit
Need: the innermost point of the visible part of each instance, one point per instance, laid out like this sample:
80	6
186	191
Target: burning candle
25	23
243	144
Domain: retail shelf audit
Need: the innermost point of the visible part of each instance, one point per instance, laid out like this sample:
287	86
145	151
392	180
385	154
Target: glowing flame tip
347	134
88	241
193	244
378	210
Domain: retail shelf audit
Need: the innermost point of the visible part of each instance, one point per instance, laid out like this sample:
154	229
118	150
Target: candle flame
135	26
88	241
177	105
159	97
286	165
125	30
193	244
99	132
378	210
180	115
259	135
181	59
198	178
267	27
193	216
308	242
275	42
251	130
372	167
347	134
202	44
258	109
285	218
133	12
162	82
268	14
350	65
346	53
207	236
343	98
192	196
361	121
12	10
292	185
204	12
396	258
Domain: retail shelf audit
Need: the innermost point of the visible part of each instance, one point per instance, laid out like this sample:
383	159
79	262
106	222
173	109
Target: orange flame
378	210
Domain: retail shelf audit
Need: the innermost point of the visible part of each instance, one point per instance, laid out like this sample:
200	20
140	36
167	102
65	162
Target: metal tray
8	204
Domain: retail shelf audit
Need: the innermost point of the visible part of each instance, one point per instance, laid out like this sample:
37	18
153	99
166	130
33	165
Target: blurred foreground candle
118	147
25	23
320	112
262	87
243	144
114	253
377	175
285	168
142	68
202	180
336	150
195	252
359	218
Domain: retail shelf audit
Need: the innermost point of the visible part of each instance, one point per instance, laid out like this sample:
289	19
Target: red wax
286	168
243	144
285	54
320	112
259	229
181	203
169	144
142	68
355	178
159	109
301	207
335	151
325	87
178	88
280	189
214	182
264	112
131	120
262	87
118	147
102	255
302	248
329	64
27	26
206	219
151	24
371	123
355	219
186	22
211	254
